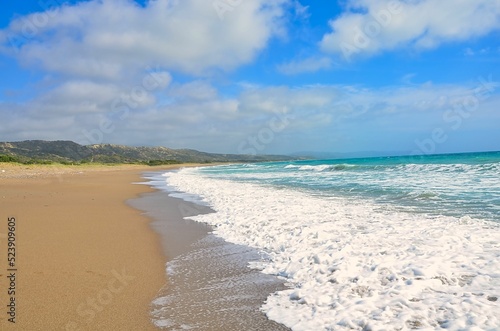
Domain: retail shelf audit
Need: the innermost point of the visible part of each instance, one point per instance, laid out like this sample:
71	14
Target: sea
384	243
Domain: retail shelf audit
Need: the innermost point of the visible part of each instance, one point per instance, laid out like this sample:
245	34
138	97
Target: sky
254	76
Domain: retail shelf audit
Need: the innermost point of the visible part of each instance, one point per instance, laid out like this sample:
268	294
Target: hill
40	151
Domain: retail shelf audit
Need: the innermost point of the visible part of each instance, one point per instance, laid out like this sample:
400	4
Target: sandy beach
85	260
210	286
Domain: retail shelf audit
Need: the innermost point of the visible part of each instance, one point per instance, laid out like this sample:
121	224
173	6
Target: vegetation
161	162
36	161
8	158
68	152
14	159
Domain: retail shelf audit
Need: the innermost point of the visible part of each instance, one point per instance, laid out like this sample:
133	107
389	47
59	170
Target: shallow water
210	285
211	288
358	248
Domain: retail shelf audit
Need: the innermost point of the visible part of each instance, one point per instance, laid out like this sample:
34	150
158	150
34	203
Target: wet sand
210	286
87	260
84	259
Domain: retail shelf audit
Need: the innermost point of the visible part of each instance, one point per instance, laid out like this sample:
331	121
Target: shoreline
166	215
210	285
85	259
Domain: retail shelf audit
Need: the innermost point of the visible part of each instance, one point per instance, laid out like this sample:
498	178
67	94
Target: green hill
40	151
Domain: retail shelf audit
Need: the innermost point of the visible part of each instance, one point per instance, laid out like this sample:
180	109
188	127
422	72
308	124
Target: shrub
8	158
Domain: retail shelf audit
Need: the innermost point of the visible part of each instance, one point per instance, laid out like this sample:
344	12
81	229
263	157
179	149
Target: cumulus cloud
368	27
106	38
194	115
309	65
278	99
112	64
75	97
197	89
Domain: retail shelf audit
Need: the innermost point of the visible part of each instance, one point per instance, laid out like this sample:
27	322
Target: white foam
167	323
321	167
357	265
157	180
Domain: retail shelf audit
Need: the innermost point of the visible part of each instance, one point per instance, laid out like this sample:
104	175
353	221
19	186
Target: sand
210	286
85	260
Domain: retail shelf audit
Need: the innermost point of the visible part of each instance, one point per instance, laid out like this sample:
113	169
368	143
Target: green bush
161	162
37	161
8	158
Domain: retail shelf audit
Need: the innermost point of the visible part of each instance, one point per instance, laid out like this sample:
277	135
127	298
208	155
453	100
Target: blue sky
252	76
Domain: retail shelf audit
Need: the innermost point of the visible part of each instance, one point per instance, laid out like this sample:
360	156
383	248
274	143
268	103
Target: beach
85	260
92	244
142	248
211	285
361	244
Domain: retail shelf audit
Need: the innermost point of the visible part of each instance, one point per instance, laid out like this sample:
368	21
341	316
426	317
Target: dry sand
85	260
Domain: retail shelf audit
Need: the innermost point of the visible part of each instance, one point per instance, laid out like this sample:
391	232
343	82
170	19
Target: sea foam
356	265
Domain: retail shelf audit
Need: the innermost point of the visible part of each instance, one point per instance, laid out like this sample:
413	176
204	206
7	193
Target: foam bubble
358	265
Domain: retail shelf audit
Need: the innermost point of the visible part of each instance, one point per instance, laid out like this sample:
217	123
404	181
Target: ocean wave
322	167
355	265
453	168
420	195
404	168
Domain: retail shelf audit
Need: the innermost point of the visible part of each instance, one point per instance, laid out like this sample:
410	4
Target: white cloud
407	79
369	27
99	56
473	52
336	113
469	52
277	99
301	11
309	65
75	97
107	38
193	90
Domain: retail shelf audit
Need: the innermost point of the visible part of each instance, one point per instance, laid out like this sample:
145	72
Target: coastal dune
85	260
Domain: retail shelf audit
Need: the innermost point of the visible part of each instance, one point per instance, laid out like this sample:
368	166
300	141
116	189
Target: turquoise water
451	184
365	244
